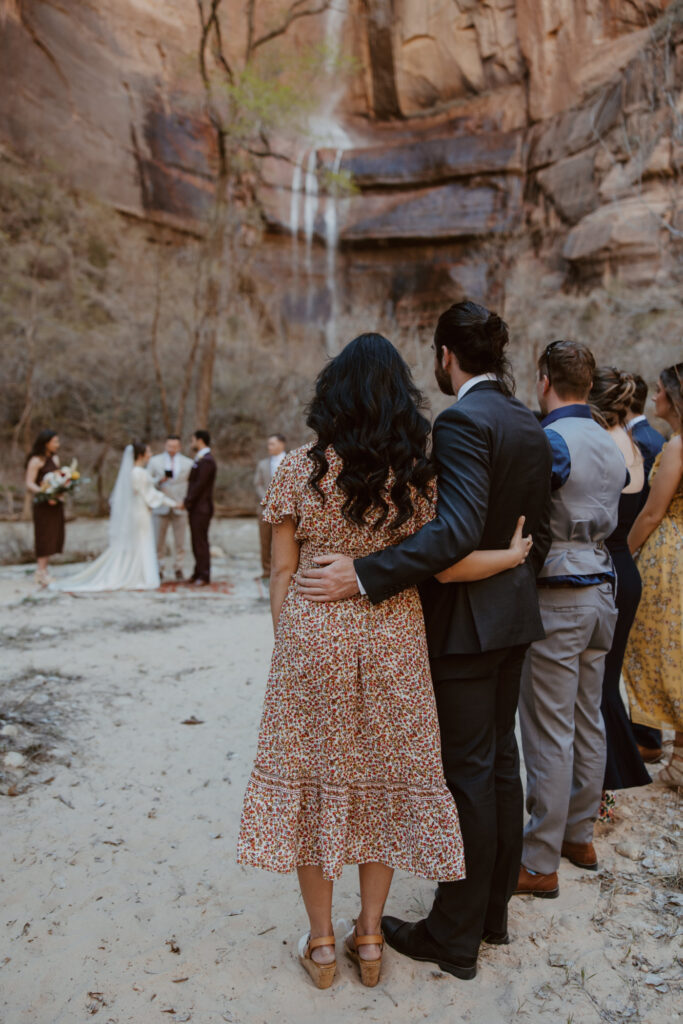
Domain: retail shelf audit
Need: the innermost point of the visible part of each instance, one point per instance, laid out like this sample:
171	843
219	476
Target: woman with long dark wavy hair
48	516
653	666
348	769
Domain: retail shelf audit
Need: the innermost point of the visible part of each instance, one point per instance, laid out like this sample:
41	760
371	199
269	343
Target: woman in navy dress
610	398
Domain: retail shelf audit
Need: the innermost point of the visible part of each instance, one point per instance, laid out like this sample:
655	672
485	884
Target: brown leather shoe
651	755
543	886
582	855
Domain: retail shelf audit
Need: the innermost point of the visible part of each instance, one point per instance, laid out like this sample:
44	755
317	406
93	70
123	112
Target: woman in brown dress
48	516
348	768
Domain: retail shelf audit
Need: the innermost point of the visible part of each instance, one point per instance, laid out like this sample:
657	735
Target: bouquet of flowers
59	482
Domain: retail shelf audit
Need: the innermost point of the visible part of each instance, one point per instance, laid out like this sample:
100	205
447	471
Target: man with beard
493	464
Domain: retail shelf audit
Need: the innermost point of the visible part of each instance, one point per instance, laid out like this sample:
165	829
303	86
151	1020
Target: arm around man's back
462	458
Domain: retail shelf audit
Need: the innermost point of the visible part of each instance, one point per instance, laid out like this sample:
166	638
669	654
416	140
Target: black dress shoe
496	938
414	940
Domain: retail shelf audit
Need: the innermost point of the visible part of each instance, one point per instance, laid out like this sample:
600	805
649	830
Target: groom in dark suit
199	505
493	464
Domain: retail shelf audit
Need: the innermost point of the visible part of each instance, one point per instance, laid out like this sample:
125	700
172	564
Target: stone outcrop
472	126
94	91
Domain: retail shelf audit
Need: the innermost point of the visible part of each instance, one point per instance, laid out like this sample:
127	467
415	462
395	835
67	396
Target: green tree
247	97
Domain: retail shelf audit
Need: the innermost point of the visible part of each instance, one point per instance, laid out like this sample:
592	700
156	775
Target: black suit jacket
493	463
199	498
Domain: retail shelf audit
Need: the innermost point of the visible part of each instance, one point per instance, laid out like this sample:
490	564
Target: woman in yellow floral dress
653	667
348	768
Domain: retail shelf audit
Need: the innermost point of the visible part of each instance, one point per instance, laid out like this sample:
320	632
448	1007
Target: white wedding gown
130	561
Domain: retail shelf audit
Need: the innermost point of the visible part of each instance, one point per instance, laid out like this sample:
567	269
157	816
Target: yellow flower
75	475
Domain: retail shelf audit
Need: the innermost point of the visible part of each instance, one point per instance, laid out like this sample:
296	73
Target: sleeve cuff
360	586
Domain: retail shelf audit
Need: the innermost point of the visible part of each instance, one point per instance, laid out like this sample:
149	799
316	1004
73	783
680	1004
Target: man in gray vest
563	734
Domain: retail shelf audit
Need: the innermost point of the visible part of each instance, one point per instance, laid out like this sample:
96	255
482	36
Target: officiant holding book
170	472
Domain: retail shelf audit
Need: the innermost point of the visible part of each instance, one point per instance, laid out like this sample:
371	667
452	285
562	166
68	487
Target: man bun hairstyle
569	367
611	396
203	435
478	339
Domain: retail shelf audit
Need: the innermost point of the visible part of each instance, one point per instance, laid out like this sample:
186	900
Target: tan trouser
178	524
563	732
266	538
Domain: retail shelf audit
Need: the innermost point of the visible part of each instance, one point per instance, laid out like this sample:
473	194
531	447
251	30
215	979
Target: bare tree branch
250	12
218	51
233	186
154	349
22	429
196	335
293	14
210	20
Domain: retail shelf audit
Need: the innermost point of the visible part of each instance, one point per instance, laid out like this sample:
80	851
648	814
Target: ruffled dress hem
305	822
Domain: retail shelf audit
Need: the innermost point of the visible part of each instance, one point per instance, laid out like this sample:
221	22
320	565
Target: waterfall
331	243
331	227
310	204
324	131
296	196
334	23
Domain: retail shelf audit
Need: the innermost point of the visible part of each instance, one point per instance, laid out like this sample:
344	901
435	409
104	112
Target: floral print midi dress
348	768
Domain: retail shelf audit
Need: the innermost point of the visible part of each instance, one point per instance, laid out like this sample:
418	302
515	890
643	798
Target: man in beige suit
170	471
265	471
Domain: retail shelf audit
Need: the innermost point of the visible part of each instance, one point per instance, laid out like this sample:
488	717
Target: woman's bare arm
479	565
284	565
666	480
31	473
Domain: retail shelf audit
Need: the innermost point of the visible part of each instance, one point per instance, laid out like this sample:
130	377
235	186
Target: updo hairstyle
611	395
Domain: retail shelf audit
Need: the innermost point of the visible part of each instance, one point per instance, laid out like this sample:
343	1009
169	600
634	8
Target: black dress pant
646	735
624	767
476	703
199	532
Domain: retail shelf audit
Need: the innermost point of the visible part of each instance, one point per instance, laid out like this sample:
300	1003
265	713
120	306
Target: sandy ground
121	897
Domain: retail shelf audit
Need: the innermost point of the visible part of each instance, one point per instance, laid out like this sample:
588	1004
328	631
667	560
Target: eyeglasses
545	358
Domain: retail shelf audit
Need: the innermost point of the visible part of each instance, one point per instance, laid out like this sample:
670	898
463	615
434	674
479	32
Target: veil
121	501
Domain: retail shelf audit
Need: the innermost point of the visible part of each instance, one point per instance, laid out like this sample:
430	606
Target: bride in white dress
130	561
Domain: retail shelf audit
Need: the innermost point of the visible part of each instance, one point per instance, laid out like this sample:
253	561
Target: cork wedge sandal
322	974
369	969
